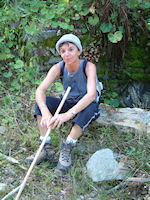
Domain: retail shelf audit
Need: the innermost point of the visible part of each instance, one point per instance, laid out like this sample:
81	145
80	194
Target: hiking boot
64	162
47	153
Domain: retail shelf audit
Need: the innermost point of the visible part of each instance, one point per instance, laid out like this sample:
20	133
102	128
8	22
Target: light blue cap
69	38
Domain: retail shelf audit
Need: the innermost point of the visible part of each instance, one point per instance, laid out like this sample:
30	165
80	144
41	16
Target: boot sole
41	160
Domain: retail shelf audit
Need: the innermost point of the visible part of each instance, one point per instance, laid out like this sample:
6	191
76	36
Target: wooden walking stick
41	146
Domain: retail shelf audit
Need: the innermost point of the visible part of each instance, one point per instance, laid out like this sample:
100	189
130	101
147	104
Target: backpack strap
62	66
99	85
84	66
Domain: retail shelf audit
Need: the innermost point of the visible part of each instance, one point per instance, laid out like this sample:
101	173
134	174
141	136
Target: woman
80	106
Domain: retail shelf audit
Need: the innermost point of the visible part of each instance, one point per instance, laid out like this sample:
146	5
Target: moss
137	54
138	76
137	70
147	77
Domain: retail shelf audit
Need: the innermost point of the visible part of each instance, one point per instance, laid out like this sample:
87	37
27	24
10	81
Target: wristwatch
42	105
73	112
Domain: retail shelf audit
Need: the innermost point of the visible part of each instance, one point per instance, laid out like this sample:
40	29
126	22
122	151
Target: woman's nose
67	53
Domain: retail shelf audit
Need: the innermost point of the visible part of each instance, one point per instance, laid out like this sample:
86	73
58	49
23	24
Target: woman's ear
79	53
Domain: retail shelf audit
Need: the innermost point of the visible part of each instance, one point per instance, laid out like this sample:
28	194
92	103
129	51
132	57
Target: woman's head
66	39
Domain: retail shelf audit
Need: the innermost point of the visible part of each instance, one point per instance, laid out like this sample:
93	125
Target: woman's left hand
57	120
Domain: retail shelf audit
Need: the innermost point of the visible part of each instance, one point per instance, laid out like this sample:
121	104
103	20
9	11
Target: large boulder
102	165
125	119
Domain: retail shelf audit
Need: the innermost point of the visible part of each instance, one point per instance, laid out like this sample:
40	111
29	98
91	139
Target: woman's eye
62	51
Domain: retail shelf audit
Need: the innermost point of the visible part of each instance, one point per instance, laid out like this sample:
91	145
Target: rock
125	119
3	187
53	61
136	94
49	33
2	129
102	166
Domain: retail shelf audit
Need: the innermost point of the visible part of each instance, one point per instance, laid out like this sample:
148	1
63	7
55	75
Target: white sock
47	140
70	140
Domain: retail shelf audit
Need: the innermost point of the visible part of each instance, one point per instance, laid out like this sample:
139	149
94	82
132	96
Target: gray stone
49	33
3	187
2	129
125	119
53	61
102	166
136	94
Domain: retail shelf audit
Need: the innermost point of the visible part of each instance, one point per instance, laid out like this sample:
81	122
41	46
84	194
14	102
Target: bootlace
47	147
66	152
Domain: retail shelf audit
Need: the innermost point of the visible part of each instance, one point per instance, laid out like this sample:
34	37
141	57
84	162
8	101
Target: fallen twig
12	192
117	187
130	179
12	160
137	179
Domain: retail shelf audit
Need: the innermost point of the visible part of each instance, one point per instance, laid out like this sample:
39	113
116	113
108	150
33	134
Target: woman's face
69	52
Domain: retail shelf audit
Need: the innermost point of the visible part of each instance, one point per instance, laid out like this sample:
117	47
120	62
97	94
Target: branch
12	192
137	179
130	179
12	160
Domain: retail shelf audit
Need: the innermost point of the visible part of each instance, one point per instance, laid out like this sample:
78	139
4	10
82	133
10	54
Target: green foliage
136	59
105	27
93	20
116	37
59	86
112	99
23	21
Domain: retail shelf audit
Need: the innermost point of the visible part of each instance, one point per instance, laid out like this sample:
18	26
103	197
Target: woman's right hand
45	120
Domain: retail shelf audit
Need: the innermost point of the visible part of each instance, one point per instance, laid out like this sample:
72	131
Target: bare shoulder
55	69
56	66
90	67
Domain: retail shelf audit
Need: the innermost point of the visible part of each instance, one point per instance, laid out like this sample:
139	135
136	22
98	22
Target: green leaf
112	38
30	29
67	20
71	27
145	5
105	27
15	85
19	64
107	101
54	24
114	17
58	86
114	94
6	32
78	6
50	15
93	20
44	11
84	30
112	102
6	100
63	25
76	17
148	24
84	12
121	29
118	35
10	44
2	39
7	74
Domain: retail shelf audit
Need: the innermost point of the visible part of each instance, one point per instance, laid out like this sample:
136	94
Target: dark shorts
82	119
